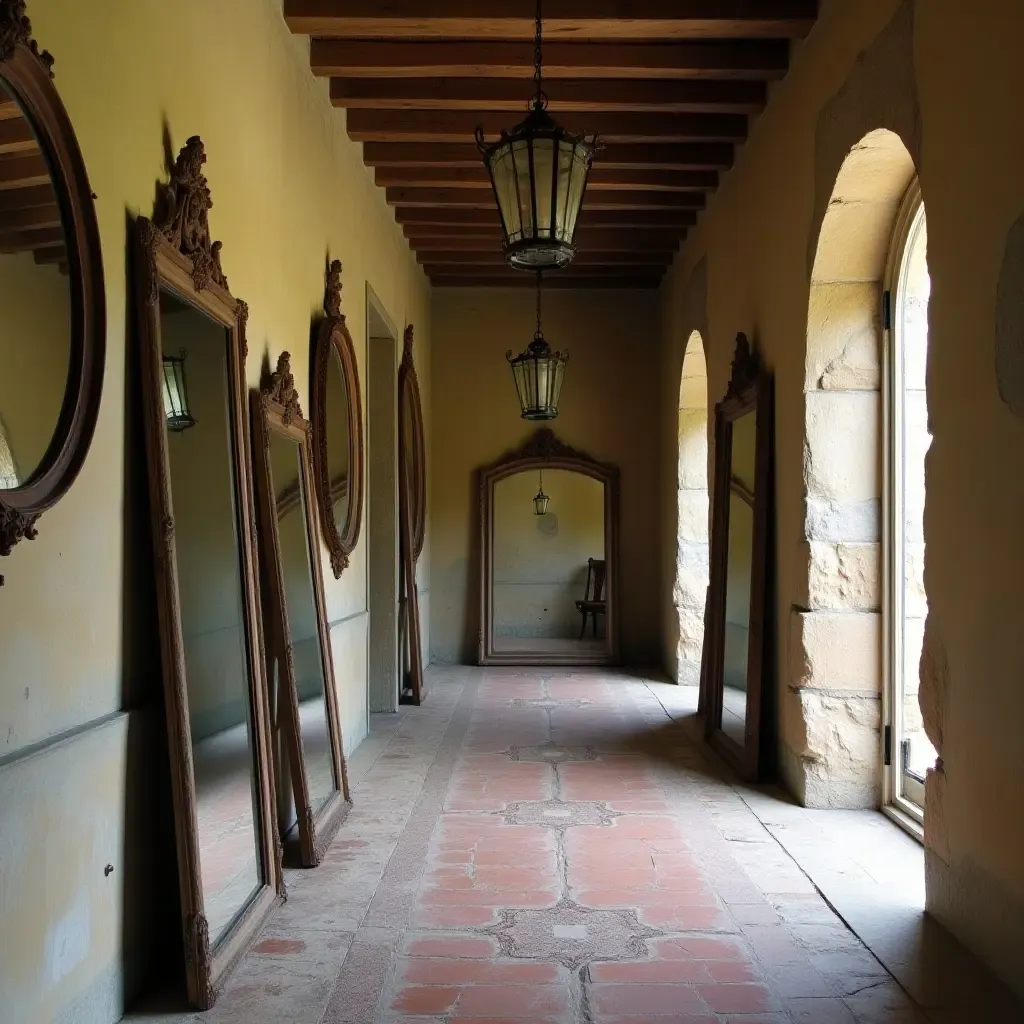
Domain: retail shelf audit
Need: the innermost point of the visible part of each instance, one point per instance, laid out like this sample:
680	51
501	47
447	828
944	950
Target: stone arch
834	704
692	549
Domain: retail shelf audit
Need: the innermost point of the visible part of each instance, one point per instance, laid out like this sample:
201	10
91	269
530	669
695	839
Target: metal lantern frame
540	501
538	173
538	372
176	408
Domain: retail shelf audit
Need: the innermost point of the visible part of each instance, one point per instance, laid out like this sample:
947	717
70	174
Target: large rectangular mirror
197	440
740	586
548	580
313	794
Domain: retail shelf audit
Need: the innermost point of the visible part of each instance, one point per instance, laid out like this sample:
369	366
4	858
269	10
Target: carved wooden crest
407	340
746	366
332	292
544	444
182	215
281	389
15	29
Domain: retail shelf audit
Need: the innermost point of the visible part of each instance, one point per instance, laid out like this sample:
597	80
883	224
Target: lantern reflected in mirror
540	502
176	409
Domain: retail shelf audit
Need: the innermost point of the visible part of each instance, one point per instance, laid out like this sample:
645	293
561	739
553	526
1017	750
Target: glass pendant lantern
540	502
538	372
176	409
539	175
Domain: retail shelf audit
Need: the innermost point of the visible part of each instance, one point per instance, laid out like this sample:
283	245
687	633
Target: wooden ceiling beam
52	254
755	59
610	240
506	94
481	199
563	19
623	279
21	241
31	217
500	271
601	179
663	219
459	125
16	136
591	258
680	156
18	172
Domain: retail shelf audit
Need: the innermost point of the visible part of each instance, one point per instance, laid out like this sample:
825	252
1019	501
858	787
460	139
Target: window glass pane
505	187
522	155
543	167
565	151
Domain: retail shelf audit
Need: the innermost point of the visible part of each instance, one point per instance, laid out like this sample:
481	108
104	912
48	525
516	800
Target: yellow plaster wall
607	409
288	187
755	244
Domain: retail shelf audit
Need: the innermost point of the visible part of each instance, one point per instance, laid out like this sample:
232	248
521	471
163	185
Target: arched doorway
691	580
833	711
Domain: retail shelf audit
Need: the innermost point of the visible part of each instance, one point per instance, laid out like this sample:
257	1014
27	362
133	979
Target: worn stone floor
551	846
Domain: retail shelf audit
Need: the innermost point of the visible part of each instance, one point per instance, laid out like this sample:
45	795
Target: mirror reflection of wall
300	602
338	438
546	565
35	329
738	575
210	591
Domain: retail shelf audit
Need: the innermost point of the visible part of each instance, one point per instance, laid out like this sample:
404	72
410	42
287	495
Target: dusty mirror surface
740	561
296	554
35	296
549	578
209	570
338	440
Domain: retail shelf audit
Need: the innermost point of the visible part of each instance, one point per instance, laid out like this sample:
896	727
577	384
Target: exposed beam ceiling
669	86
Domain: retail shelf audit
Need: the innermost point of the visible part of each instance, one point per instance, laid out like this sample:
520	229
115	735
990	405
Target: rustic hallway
552	846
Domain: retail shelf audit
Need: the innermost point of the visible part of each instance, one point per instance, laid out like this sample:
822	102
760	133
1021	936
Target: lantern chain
538	77
540	278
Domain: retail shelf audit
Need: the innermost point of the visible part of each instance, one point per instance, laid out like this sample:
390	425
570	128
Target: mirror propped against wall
738	597
53	330
197	444
548	569
412	520
298	646
337	428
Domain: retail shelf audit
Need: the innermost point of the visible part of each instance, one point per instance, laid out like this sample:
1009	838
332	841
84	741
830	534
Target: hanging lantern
539	175
179	416
540	502
538	373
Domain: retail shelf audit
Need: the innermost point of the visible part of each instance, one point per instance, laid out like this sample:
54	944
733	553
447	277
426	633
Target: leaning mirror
53	332
298	646
192	343
412	518
548	573
337	428
739	591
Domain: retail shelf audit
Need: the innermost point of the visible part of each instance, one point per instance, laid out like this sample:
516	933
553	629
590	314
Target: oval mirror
337	418
53	331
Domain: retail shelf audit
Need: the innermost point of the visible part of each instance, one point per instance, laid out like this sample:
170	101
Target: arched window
905	311
691	583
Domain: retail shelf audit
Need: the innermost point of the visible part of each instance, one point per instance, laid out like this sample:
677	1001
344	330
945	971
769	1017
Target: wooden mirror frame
412	515
26	74
544	451
751	388
275	409
174	251
331	335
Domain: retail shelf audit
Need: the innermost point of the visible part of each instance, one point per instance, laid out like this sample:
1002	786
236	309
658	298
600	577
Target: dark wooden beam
481	199
21	241
18	172
53	254
459	125
598	240
601	179
624	279
22	198
670	96
31	217
16	136
563	19
664	219
591	258
679	156
728	59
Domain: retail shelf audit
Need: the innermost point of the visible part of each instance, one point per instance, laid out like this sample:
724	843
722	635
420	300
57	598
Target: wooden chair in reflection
593	602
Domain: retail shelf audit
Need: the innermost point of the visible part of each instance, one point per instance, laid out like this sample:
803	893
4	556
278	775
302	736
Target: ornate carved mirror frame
331	338
412	513
275	409
544	451
174	252
26	73
750	390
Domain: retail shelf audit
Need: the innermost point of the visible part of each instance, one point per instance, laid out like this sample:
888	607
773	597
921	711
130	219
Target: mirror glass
738	576
35	296
210	591
549	579
300	603
338	439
